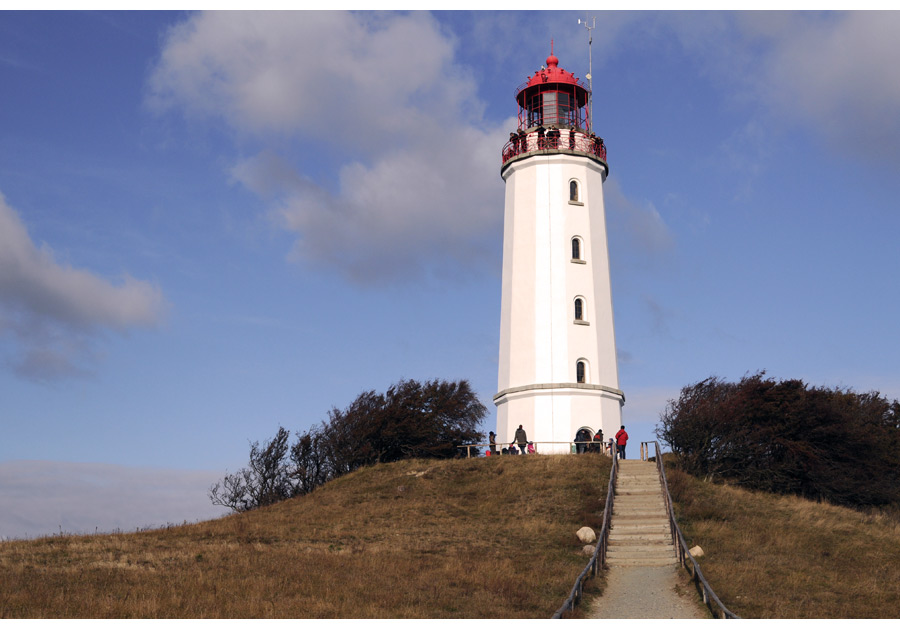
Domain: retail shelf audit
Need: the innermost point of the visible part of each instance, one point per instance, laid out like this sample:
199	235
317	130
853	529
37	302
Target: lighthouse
557	367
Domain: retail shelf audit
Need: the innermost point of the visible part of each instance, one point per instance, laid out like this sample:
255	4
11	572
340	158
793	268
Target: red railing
553	140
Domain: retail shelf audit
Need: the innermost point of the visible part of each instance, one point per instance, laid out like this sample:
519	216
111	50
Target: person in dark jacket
598	445
521	438
582	441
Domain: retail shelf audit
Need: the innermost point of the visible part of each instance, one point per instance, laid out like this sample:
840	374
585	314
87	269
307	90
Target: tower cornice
550	386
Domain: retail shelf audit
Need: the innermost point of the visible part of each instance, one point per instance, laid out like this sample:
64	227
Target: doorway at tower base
552	414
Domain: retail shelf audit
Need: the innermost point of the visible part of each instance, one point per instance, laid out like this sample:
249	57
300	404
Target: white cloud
53	309
833	74
838	74
328	74
45	497
418	188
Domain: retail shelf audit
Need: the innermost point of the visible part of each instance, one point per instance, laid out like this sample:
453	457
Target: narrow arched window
576	248
573	191
579	309
580	372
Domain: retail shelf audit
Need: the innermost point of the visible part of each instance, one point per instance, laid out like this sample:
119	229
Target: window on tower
566	109
576	248
573	191
550	115
579	309
580	375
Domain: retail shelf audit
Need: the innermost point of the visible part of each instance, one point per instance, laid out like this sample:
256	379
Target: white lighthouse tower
558	370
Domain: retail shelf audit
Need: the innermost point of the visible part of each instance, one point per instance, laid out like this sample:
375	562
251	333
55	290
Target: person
492	439
598	442
512	449
521	438
531	448
553	138
621	440
582	439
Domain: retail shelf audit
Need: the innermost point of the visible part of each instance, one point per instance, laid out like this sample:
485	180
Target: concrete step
665	554
641	552
621	562
622	507
650	539
619	506
657	539
639	506
638	536
648	499
640	546
640	501
639	525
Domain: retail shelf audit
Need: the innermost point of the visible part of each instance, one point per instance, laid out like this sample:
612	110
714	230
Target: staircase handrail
716	607
598	558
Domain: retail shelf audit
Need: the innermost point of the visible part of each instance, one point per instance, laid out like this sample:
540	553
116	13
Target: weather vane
589	28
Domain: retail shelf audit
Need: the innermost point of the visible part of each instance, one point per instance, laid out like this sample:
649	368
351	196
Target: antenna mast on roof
590	27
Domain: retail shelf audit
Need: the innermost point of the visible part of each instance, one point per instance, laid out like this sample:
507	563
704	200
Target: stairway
639	534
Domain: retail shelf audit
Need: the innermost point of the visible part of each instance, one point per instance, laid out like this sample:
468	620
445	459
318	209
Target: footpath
642	573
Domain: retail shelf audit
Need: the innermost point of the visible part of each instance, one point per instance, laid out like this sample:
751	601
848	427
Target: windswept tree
788	437
409	420
266	480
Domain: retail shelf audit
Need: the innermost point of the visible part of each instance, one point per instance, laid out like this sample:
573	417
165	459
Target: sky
216	224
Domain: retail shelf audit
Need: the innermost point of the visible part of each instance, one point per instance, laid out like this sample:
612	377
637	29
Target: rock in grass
586	534
696	551
588	550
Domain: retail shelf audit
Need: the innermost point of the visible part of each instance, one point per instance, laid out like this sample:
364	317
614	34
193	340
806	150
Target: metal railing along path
687	561
598	559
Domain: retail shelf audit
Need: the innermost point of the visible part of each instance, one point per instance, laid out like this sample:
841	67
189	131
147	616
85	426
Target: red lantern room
553	97
554	115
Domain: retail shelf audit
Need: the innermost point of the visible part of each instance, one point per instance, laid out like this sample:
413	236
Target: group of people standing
520	439
583	443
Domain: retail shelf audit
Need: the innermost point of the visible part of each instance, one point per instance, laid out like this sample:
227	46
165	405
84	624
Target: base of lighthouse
552	414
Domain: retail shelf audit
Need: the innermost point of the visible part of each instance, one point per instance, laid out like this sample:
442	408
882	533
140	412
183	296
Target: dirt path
647	592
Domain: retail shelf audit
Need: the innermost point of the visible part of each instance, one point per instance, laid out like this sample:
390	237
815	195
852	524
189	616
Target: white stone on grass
586	534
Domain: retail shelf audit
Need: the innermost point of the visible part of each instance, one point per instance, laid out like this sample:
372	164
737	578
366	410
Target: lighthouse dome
551	74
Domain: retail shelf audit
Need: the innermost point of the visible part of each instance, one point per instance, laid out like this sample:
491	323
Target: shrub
788	437
410	420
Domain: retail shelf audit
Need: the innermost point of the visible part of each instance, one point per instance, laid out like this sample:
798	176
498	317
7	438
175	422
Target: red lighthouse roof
551	74
552	78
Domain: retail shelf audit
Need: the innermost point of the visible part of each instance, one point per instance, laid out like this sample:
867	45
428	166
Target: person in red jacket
621	440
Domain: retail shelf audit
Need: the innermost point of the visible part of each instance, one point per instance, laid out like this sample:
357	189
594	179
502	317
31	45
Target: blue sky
213	224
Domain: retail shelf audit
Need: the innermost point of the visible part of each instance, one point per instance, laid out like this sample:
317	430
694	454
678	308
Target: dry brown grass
771	556
475	538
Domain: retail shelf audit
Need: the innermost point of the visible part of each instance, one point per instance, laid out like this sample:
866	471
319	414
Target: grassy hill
490	537
476	538
769	556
